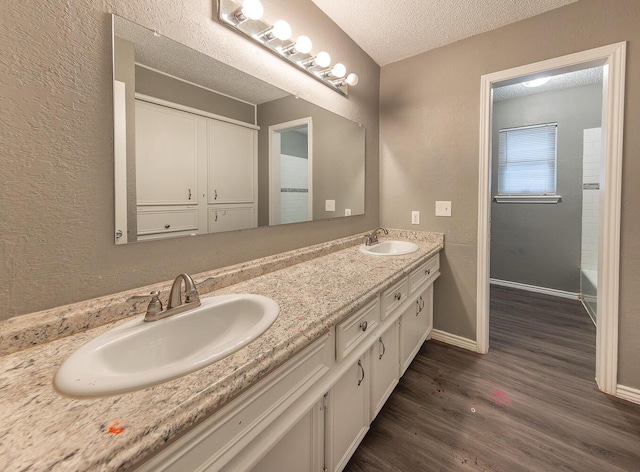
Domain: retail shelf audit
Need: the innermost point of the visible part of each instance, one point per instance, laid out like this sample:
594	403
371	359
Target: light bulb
303	44
252	9
323	59
352	79
536	82
339	70
281	30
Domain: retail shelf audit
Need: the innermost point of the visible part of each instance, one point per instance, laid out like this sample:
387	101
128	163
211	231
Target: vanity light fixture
352	80
280	30
250	10
247	20
536	82
302	45
322	59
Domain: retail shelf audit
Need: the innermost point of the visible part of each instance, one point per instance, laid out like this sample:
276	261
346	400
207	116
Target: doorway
291	172
612	58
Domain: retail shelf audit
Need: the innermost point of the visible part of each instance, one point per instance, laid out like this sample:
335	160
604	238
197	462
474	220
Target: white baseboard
628	393
533	288
590	312
454	340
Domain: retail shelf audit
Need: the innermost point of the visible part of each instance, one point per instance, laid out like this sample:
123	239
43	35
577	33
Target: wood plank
530	404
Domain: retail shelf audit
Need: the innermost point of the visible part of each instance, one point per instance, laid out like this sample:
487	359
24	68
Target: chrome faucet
372	237
175	304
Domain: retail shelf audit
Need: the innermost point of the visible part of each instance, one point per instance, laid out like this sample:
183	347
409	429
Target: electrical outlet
443	208
415	217
347	212
329	205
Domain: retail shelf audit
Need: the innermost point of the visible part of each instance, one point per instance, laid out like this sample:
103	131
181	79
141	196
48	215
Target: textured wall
539	244
56	143
430	116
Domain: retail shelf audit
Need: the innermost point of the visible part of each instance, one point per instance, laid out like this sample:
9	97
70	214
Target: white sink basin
390	248
139	354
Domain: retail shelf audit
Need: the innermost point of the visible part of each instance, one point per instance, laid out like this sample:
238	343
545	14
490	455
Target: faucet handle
155	305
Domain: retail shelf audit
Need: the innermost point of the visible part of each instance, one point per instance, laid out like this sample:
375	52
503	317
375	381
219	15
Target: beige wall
56	146
430	108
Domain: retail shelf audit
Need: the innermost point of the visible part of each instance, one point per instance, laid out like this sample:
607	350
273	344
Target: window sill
553	199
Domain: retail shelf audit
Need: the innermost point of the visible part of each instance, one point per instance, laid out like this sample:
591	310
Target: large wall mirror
201	147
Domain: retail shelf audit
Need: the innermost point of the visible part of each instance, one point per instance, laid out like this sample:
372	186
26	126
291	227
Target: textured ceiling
173	58
557	82
390	30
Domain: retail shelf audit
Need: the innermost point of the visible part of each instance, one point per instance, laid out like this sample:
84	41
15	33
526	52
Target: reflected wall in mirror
201	147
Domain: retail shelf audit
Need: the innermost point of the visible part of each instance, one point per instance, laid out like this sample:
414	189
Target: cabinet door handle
189	194
398	296
384	349
364	325
361	371
421	303
216	216
167	226
418	309
428	271
215	194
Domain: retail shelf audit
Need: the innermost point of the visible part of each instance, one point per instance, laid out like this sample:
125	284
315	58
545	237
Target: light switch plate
443	208
329	205
347	212
415	217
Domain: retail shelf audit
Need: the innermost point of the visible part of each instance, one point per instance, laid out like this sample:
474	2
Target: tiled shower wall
590	197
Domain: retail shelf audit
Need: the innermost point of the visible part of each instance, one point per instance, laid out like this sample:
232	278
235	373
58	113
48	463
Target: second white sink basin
390	248
139	354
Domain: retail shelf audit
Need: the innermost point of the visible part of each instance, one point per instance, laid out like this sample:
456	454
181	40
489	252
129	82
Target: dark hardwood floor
531	404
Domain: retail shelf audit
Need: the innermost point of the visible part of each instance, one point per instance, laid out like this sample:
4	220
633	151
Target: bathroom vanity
300	397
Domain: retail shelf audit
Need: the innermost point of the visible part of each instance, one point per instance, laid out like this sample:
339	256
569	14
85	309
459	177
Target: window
527	160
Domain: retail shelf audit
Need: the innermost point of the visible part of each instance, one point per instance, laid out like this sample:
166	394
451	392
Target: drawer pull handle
428	271
364	325
384	349
398	296
418	309
167	226
360	380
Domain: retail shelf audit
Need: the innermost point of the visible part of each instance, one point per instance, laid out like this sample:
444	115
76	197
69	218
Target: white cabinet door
385	367
228	218
232	163
166	155
301	449
415	325
348	418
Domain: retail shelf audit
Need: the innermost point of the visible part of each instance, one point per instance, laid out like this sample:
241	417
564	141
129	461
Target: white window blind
527	160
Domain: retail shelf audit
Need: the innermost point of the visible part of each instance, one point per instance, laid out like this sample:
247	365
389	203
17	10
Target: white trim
527	198
628	393
590	312
274	167
177	106
453	340
534	288
613	58
120	160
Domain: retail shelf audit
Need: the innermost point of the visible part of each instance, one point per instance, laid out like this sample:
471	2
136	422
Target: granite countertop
44	430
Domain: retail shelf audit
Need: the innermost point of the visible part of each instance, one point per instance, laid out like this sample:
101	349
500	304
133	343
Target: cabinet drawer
394	297
428	270
167	220
354	329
